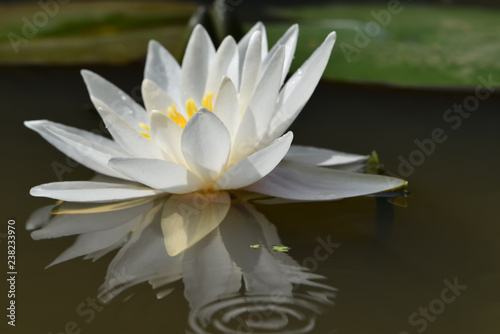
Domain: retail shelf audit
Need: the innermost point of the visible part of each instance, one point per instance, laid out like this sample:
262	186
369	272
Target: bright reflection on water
236	273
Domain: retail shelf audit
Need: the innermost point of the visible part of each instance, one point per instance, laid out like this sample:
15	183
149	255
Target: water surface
390	261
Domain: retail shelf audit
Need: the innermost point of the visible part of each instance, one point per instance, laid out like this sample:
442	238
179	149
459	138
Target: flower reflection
204	239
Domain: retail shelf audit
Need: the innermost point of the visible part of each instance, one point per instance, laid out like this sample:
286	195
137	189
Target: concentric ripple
257	315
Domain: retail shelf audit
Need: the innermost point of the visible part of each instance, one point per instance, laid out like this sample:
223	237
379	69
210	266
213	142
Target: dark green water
390	261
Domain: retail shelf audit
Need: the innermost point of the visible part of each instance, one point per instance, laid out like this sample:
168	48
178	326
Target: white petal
154	97
255	166
91	150
251	71
199	53
253	132
114	98
289	42
206	144
187	219
226	106
87	191
158	174
162	69
358	167
245	41
321	156
224	64
299	88
91	154
246	141
166	134
126	135
263	102
305	182
90	136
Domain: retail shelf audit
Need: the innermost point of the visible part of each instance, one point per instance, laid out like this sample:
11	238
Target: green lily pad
419	46
98	32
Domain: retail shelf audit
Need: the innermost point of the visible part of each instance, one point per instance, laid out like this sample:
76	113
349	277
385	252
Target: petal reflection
228	255
186	219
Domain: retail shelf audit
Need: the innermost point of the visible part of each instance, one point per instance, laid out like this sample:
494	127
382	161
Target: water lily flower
215	123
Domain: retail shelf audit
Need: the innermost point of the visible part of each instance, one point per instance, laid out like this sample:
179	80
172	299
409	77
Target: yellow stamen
206	102
144	126
176	116
145	134
191	108
171	114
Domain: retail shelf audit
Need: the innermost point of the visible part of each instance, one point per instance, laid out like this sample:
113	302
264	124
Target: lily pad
98	32
418	46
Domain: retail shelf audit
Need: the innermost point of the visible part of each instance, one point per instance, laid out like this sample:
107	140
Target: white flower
216	123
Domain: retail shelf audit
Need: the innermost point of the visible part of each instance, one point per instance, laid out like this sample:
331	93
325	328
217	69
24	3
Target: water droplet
299	72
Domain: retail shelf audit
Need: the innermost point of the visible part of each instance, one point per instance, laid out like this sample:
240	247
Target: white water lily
216	123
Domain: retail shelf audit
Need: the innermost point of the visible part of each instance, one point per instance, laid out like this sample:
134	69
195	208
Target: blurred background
407	43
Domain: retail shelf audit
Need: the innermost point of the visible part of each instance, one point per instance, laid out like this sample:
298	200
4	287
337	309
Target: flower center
177	117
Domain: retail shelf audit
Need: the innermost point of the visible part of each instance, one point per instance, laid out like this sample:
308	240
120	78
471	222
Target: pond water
431	266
